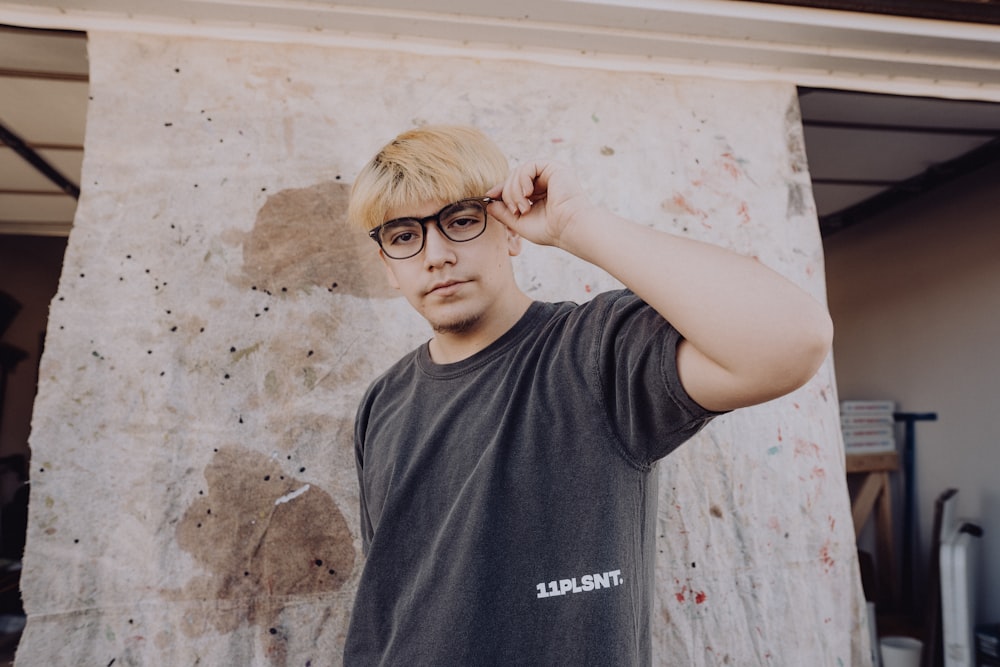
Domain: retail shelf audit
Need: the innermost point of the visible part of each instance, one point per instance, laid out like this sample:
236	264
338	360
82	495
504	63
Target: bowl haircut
434	163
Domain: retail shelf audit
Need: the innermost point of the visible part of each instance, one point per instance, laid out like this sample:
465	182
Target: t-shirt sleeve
635	353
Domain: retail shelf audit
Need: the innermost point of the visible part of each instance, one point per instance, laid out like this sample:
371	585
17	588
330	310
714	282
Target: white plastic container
900	651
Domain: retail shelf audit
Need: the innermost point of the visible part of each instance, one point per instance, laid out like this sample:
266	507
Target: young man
507	467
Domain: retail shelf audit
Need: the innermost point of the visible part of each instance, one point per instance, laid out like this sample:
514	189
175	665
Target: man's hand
541	201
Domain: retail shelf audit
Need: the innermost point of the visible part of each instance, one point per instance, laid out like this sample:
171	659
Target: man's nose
438	249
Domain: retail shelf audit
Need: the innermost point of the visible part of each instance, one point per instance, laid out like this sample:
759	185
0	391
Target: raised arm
750	335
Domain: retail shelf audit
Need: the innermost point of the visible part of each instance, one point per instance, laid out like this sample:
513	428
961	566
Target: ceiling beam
901	191
35	228
39	74
32	157
912	129
973	11
725	39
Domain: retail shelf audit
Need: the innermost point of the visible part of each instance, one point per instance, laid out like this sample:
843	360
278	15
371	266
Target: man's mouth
446	287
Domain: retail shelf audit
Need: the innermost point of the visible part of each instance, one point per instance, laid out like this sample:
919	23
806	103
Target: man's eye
403	238
460	223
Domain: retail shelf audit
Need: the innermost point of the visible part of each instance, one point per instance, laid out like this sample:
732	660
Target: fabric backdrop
193	486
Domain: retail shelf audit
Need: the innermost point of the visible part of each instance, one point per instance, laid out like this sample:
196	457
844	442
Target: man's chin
456	325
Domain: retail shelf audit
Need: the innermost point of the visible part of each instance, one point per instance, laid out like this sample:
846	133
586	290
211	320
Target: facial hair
461	326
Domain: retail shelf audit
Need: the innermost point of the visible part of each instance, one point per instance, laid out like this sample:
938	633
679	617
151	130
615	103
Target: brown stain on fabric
265	538
301	240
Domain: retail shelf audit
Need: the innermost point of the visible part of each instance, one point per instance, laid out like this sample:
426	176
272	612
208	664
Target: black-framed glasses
460	221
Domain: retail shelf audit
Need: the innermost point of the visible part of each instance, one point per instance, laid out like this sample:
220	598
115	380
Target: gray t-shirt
508	501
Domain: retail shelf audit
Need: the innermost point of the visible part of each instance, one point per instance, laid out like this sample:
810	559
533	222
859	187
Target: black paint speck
273	631
267	478
302	469
173	328
319	562
232	349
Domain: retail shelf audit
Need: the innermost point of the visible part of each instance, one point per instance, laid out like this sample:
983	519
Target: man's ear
513	242
393	282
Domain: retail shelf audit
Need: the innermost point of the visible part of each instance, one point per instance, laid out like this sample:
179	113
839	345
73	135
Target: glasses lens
464	220
401	238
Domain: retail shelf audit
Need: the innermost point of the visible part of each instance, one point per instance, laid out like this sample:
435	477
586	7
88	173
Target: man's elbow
809	350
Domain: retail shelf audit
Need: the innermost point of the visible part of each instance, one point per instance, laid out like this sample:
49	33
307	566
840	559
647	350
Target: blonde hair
435	163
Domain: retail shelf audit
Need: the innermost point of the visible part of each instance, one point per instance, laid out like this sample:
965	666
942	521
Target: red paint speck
825	558
700	597
586	288
680	594
729	165
805	448
744	213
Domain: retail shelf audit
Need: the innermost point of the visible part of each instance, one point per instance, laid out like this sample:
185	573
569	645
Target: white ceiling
860	145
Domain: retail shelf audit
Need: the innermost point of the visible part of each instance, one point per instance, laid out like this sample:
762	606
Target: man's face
455	286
